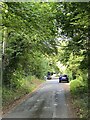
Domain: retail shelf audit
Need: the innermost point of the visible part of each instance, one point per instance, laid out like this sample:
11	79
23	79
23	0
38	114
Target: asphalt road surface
49	101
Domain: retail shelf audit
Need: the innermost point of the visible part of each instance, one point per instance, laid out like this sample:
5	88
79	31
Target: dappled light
45	43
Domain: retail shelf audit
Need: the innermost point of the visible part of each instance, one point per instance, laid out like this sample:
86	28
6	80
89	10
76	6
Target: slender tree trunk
88	70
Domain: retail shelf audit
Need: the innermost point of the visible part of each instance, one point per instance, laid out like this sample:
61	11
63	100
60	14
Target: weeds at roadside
10	95
80	98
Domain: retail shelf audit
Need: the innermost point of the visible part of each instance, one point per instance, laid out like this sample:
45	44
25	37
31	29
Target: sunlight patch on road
46	107
35	106
55	104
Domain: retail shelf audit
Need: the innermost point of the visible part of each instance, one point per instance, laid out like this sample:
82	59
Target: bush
11	94
75	85
80	97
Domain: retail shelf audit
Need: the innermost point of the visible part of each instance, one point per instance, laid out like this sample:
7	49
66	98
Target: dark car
49	77
63	78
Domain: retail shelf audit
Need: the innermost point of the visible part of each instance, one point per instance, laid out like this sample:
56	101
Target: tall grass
27	85
79	93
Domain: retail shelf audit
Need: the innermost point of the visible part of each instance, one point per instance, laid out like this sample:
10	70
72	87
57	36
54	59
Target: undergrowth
10	94
80	97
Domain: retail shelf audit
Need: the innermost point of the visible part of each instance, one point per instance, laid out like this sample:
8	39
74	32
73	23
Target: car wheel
59	81
67	81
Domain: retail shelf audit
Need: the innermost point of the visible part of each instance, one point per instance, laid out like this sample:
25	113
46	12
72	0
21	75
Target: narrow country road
49	101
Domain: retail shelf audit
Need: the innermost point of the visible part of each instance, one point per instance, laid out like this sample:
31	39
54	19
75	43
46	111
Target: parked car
49	77
63	78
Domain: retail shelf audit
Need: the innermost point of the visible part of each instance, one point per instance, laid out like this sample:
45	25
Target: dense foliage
38	35
73	22
28	33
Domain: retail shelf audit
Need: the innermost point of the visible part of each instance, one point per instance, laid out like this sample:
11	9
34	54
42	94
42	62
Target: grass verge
10	95
80	98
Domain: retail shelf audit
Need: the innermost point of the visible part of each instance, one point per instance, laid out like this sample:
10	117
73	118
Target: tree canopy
42	37
31	33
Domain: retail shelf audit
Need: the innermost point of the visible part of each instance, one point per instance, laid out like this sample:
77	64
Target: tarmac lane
49	101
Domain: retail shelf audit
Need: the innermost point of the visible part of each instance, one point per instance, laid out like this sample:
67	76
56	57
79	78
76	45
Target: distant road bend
49	101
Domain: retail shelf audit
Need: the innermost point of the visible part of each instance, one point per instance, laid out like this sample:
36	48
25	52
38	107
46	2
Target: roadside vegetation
26	86
74	51
80	98
37	36
28	41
